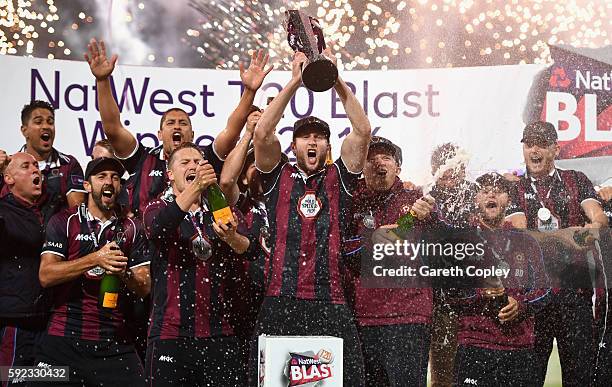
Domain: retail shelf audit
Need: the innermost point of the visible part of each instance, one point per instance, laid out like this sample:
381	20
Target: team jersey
189	270
308	216
62	175
562	192
73	234
384	305
148	177
21	237
527	282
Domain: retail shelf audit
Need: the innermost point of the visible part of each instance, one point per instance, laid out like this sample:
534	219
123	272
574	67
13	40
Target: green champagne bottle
109	291
218	204
111	284
405	224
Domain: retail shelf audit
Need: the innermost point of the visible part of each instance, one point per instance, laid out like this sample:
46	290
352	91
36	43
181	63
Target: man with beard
191	340
393	323
23	306
147	166
83	245
63	176
454	197
549	199
496	338
307	207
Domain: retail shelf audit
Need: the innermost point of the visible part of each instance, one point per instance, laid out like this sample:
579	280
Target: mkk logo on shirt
156	173
84	237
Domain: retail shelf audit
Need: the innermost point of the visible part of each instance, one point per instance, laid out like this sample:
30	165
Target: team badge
309	205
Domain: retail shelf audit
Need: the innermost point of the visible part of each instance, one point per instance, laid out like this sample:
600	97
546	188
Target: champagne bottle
329	160
218	204
405	224
110	285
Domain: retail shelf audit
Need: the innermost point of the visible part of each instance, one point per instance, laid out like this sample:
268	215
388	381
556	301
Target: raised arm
267	146
101	67
252	78
235	162
354	149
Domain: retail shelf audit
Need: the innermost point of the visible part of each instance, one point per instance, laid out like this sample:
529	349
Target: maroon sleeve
534	295
74	177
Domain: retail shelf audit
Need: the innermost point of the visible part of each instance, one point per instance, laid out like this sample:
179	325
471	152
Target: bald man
23	307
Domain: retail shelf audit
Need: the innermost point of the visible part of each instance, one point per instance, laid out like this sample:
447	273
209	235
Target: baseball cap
493	179
104	164
387	144
310	122
540	131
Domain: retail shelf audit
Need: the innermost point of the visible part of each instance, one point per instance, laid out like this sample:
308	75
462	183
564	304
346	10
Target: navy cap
393	149
104	164
540	131
310	122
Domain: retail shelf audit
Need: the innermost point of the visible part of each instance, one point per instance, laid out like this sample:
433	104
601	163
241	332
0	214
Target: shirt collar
550	174
93	219
53	161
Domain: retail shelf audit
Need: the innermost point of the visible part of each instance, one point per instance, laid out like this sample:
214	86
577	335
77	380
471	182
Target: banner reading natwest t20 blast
575	95
477	108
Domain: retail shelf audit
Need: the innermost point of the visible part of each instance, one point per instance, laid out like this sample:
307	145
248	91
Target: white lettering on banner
156	172
428	107
593	82
562	107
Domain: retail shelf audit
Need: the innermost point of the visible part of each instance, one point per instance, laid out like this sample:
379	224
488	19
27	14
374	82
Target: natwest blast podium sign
299	361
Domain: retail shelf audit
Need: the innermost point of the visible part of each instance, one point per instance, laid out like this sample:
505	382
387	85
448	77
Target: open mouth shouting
108	191
36	180
190	177
311	154
491	204
381	172
536	160
177	138
46	138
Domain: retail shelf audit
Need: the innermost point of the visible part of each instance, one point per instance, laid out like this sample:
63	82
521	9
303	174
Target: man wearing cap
308	209
393	323
549	199
496	336
84	244
23	305
147	166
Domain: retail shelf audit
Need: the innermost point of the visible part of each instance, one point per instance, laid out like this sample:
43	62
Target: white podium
305	361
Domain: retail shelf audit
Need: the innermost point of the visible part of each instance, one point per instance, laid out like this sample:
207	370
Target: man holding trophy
307	206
